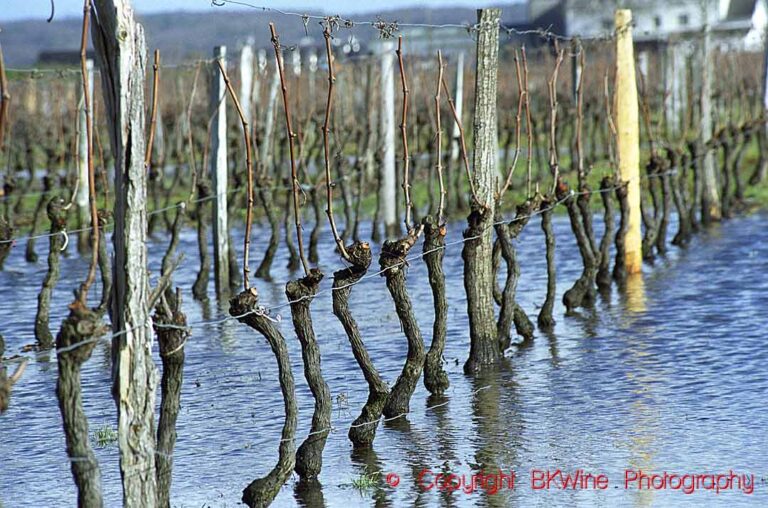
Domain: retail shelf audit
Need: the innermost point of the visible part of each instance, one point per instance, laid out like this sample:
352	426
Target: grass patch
366	481
104	436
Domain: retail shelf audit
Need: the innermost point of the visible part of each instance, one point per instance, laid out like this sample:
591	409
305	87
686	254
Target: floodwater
669	376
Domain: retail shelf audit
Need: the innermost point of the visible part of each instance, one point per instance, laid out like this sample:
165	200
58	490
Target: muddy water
669	376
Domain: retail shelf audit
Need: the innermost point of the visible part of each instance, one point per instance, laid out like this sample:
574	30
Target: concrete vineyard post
83	209
218	162
389	174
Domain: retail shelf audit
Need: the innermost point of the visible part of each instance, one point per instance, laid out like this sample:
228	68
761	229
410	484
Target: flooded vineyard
527	269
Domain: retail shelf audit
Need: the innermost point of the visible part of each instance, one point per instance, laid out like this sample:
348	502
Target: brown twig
521	92
153	111
439	140
249	168
291	136
462	141
326	147
552	89
404	134
89	148
528	119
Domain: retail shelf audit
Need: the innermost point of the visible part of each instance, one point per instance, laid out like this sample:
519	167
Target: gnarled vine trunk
262	491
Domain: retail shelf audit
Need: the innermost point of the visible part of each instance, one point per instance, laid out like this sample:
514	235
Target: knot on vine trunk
104	216
170	325
57	213
562	191
78	328
394	252
523	213
432	228
306	287
476	221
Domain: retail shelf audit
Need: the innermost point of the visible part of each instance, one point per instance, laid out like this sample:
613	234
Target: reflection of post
628	136
83	211
389	175
218	162
634	292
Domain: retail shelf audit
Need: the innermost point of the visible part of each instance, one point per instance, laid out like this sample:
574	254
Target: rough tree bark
105	265
200	288
30	255
75	343
262	491
392	262
363	429
619	267
582	293
170	325
309	456
510	310
679	187
477	251
603	278
435	378
57	214
265	196
545	320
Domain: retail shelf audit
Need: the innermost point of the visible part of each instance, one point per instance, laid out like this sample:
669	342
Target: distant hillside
182	36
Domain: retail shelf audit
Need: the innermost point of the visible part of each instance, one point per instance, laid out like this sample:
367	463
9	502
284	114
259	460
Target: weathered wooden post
628	136
218	163
121	50
81	199
246	79
389	173
477	252
710	197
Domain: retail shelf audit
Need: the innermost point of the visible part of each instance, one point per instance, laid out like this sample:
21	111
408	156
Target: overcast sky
40	9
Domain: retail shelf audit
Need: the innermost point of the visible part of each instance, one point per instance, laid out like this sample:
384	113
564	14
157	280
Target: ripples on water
670	376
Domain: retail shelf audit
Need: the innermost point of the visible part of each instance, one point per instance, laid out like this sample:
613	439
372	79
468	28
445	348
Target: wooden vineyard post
477	252
218	163
628	136
121	50
389	174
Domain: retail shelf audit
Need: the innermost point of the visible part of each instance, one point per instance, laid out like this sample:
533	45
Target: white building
738	24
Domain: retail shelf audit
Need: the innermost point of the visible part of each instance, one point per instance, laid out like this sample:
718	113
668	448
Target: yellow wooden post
628	139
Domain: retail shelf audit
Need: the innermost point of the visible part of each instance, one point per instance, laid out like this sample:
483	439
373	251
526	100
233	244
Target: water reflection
633	294
365	461
309	494
673	380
